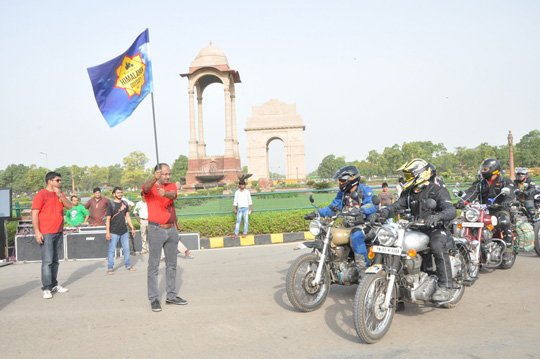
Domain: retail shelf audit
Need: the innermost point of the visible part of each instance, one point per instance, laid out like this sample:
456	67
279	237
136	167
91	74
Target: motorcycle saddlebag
525	235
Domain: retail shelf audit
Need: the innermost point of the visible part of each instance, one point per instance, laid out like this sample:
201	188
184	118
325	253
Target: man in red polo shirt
160	194
48	222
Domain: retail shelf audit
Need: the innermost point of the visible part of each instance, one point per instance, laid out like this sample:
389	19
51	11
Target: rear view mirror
311	200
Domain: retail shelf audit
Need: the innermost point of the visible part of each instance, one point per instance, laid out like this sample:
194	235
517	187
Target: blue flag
123	82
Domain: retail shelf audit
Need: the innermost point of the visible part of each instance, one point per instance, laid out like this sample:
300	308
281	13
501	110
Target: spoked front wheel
371	319
303	294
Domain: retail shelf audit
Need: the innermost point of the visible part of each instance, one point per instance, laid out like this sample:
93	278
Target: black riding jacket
525	193
416	203
483	191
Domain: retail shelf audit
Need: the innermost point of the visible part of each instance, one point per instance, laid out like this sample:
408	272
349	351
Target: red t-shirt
51	212
161	209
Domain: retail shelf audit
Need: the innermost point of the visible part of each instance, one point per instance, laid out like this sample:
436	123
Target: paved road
238	308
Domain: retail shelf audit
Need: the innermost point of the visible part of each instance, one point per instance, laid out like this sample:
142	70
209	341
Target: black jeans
438	240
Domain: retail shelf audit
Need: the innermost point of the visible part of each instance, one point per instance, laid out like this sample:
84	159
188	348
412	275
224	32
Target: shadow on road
82	272
9	295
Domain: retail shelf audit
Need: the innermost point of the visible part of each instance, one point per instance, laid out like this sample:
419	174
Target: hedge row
259	223
223	225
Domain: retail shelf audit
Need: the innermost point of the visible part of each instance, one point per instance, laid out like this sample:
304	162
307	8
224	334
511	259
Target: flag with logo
123	82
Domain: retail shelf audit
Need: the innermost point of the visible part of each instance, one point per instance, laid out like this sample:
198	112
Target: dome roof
210	56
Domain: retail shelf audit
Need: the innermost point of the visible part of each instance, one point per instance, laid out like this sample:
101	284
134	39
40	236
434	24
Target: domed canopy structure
211	66
212	57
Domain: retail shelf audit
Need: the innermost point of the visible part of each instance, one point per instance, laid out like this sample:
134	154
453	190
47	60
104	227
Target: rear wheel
302	293
371	319
537	238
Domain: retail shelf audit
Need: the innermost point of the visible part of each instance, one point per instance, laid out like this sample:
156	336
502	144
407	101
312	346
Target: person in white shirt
242	207
141	214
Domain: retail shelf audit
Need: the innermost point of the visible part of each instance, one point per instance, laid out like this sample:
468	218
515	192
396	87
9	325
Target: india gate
271	121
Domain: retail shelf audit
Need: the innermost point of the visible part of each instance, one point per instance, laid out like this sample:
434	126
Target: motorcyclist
487	190
351	194
525	190
419	184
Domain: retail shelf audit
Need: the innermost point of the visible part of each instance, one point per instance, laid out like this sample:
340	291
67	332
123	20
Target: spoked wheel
508	260
537	238
469	269
303	294
371	319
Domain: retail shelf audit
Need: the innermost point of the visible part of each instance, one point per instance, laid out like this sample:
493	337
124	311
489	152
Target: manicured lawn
261	202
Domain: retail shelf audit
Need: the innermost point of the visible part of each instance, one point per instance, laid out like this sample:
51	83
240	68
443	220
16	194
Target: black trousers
438	242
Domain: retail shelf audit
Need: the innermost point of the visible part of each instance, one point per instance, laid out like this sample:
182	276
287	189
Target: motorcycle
482	239
403	271
331	260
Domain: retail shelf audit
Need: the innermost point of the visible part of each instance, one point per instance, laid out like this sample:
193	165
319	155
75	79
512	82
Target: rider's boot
442	294
360	263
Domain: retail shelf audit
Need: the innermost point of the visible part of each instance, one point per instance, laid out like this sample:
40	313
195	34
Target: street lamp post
46	159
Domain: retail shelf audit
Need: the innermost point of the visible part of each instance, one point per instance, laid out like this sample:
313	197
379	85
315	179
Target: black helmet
348	177
521	174
490	167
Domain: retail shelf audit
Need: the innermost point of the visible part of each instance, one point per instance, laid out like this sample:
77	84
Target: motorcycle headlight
315	227
494	221
387	235
472	215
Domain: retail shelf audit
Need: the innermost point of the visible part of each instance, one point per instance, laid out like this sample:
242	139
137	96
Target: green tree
14	177
528	150
179	169
329	165
422	149
392	159
115	173
134	174
35	179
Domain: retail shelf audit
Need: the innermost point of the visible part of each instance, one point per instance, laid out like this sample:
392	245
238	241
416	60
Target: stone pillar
229	151
193	153
511	155
236	151
201	147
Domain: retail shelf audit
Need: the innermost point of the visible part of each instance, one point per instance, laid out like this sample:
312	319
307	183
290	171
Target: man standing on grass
48	222
160	194
242	207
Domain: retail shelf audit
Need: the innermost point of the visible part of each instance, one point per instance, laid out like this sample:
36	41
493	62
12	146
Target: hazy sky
364	75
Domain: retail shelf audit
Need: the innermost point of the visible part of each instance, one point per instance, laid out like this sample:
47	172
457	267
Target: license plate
387	250
473	224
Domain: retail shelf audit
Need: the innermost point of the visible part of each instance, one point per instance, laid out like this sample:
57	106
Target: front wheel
371	319
537	238
302	293
508	260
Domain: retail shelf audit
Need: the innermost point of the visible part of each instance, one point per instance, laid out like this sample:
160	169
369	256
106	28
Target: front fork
322	259
393	268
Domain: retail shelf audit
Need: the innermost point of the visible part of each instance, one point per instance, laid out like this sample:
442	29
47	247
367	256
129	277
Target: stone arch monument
275	120
211	66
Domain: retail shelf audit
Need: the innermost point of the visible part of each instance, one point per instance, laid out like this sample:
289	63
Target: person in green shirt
76	215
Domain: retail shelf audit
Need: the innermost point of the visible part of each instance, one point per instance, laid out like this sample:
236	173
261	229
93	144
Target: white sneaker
47	294
59	289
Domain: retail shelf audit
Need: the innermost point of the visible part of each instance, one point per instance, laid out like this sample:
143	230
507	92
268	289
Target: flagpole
155	130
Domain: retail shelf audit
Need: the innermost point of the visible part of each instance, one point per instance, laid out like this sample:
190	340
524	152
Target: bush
259	223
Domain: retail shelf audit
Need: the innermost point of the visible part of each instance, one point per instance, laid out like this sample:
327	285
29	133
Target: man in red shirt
97	206
160	194
48	222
